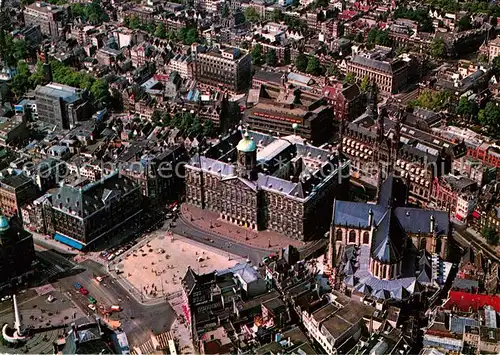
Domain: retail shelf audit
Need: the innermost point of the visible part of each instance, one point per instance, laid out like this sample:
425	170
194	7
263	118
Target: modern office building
390	75
51	18
224	67
17	252
62	105
78	216
284	110
259	182
182	64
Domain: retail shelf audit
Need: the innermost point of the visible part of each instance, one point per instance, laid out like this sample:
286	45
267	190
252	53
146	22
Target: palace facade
263	182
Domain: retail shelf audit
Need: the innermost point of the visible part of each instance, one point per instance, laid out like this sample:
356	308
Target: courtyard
156	269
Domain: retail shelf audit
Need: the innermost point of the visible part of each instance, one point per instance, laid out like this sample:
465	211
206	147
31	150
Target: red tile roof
465	301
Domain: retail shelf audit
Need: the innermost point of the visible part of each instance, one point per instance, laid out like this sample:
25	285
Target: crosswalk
155	344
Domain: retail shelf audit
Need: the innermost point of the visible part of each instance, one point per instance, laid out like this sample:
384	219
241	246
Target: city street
137	320
188	230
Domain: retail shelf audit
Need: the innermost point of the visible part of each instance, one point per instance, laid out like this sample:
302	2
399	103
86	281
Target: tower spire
331	243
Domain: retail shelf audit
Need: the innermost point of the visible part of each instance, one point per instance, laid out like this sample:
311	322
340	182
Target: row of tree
188	123
432	100
309	65
473	6
25	80
419	15
293	23
378	36
12	50
258	58
91	12
187	35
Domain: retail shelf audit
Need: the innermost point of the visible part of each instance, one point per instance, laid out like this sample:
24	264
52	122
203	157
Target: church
388	249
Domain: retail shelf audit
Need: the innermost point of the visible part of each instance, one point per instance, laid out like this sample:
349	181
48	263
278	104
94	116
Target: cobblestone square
157	268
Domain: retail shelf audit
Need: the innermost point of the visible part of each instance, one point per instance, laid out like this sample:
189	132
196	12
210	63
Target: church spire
372	100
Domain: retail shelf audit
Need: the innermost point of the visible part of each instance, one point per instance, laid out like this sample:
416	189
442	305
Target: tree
208	128
38	76
286	56
166	119
95	13
490	116
382	38
160	31
467	108
438	48
191	36
333	70
350	78
313	66
464	23
195	129
257	54
491	236
277	15
482	58
134	22
372	36
301	62
359	37
251	14
432	100
496	64
21	83
365	84
225	11
271	58
20	49
421	16
100	93
156	117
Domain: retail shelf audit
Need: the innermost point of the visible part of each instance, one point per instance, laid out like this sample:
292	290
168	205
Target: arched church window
339	235
352	236
366	238
439	244
423	244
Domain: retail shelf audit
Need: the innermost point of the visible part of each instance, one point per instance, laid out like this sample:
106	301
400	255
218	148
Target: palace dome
4	223
246	144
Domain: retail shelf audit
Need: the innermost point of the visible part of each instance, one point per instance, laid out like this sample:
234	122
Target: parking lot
157	268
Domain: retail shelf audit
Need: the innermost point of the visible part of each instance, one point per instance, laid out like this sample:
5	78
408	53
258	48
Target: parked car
92	307
6	298
84	291
92	300
77	285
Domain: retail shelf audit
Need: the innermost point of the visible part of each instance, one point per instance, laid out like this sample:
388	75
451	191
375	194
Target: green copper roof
246	144
4	223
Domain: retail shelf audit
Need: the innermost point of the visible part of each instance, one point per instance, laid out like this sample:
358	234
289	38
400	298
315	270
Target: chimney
433	223
370	217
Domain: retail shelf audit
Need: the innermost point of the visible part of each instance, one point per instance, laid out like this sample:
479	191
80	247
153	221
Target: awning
476	215
68	241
